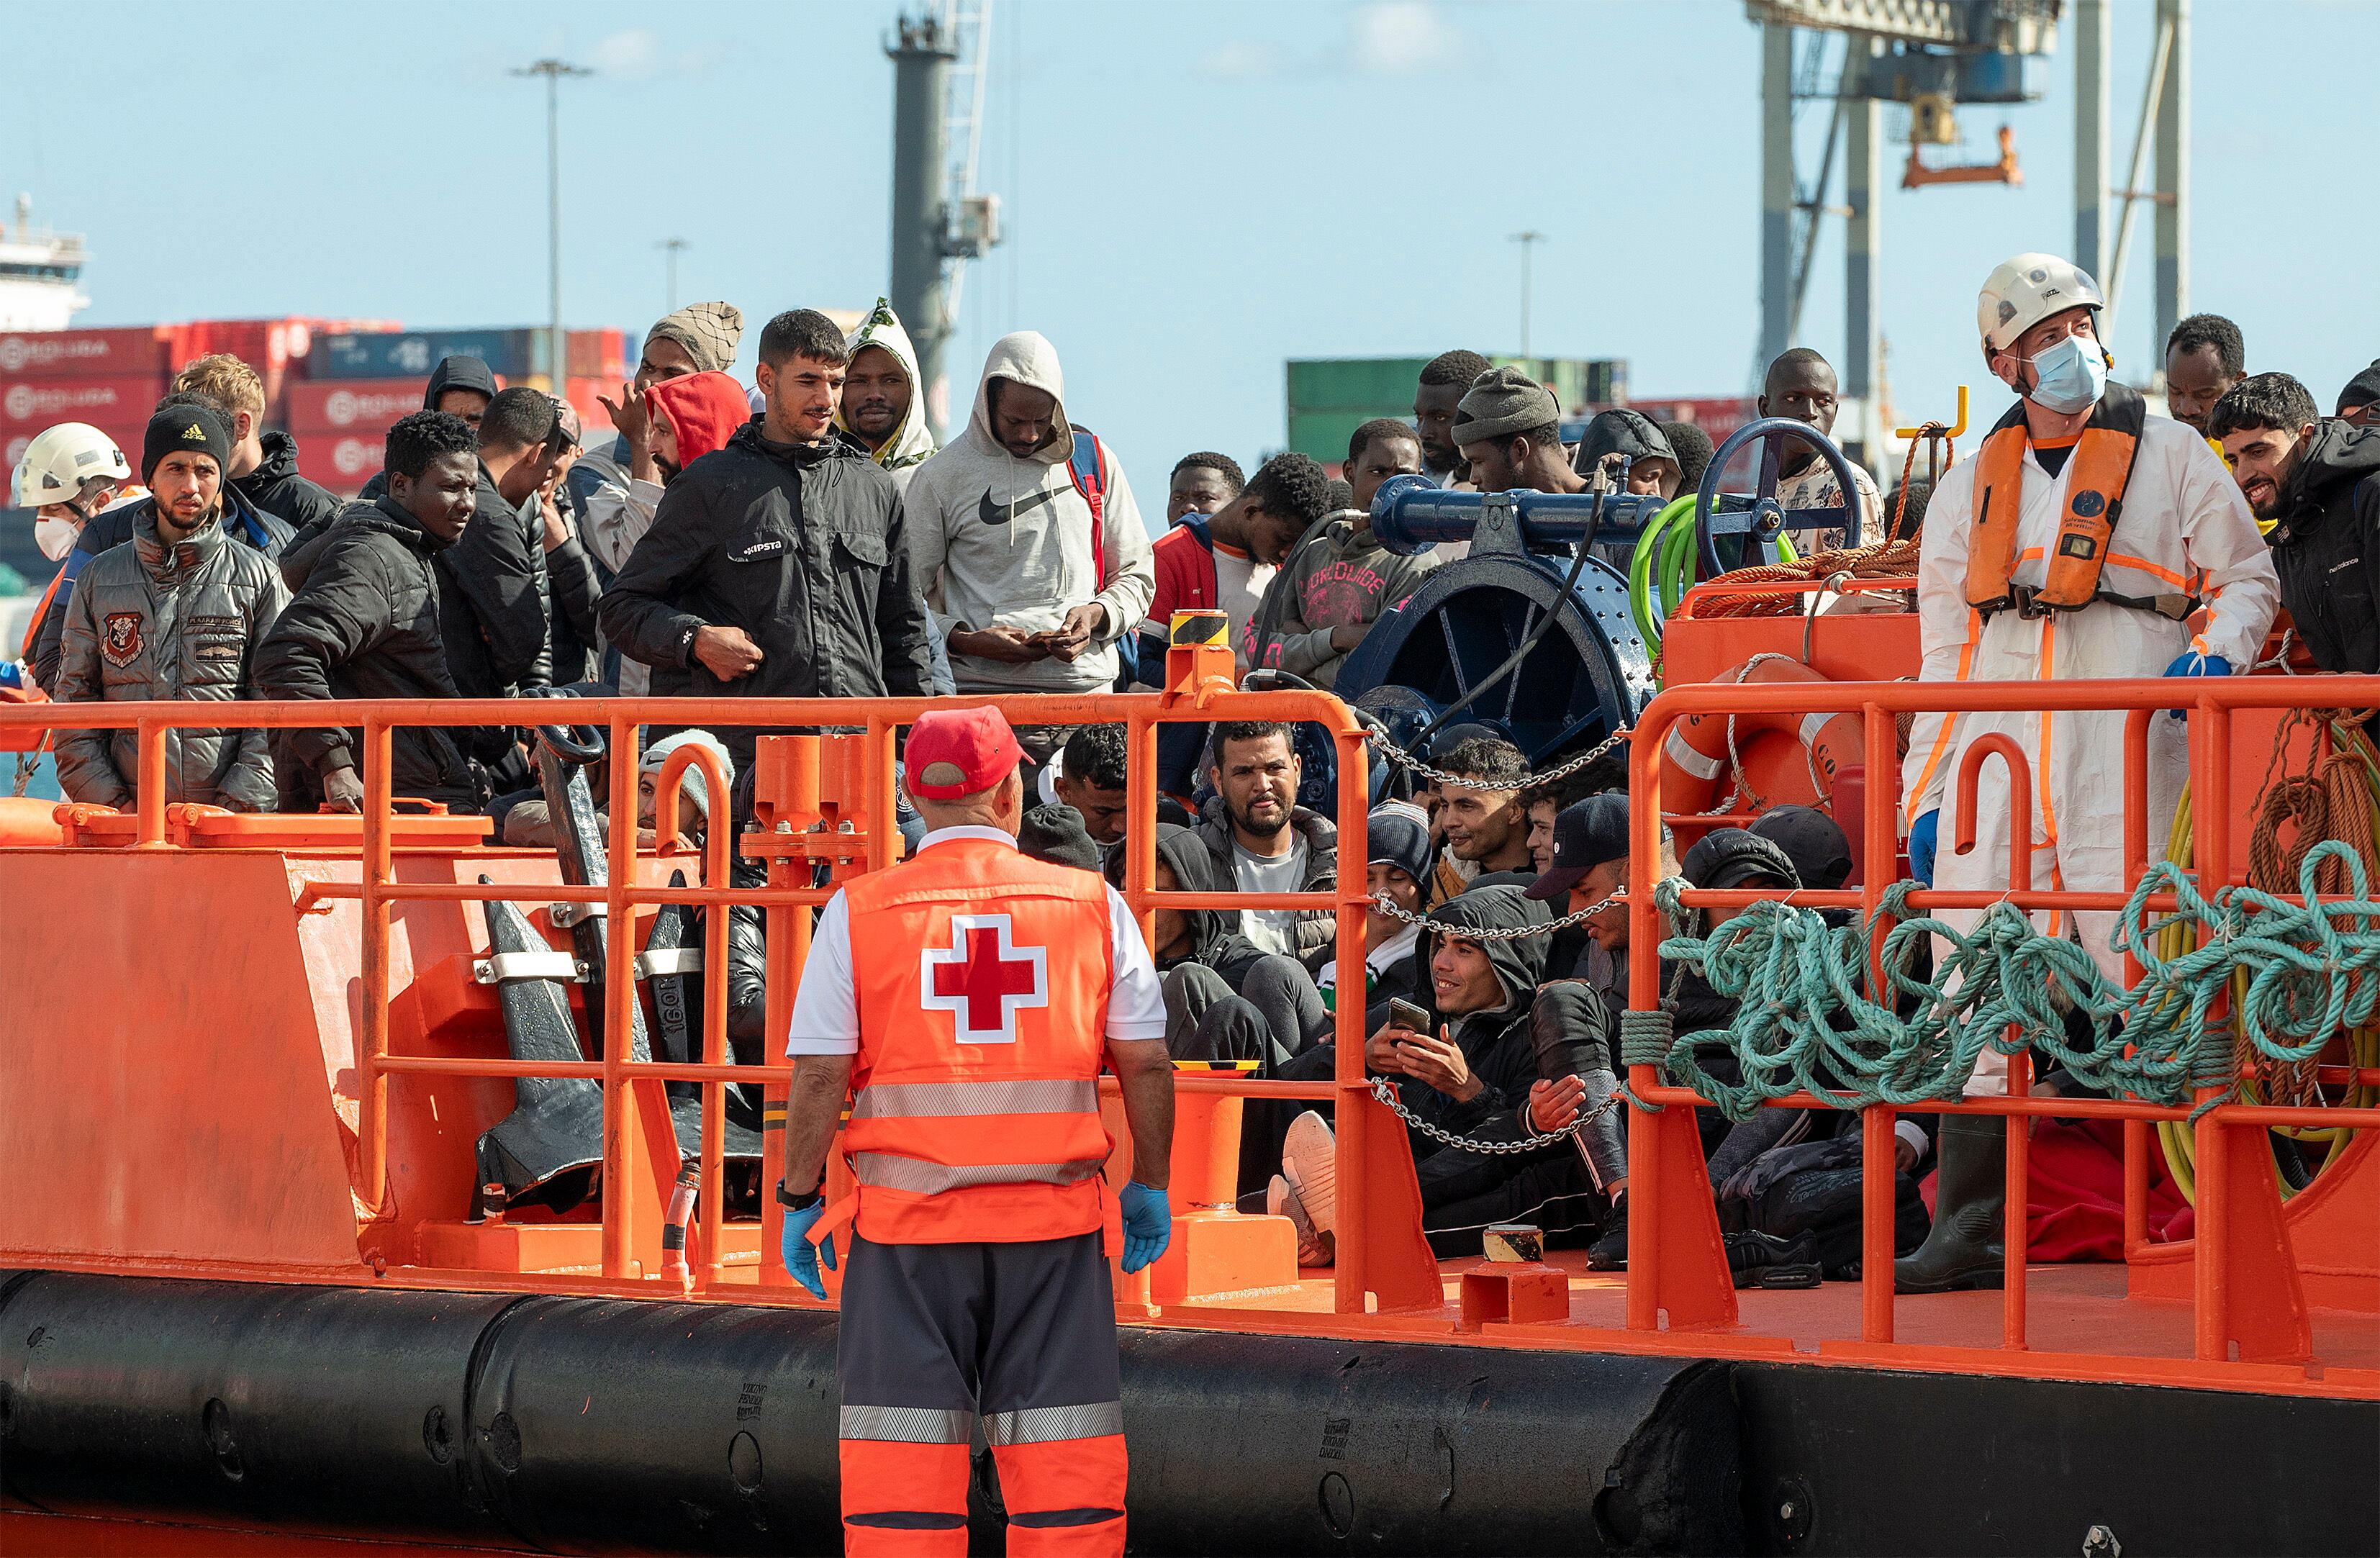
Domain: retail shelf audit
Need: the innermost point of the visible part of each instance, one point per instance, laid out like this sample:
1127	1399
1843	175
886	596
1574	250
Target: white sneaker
1309	1159
1314	1247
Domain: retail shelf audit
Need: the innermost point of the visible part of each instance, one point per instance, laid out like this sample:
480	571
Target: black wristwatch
798	1203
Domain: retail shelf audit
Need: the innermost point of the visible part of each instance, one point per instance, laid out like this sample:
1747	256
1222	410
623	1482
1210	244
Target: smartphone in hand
1406	1015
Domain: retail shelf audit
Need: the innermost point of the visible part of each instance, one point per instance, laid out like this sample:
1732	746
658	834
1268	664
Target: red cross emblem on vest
983	980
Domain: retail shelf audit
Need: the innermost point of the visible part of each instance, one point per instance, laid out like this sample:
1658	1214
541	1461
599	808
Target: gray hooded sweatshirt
995	541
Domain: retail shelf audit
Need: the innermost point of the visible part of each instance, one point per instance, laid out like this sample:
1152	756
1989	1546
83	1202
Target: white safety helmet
62	461
2025	291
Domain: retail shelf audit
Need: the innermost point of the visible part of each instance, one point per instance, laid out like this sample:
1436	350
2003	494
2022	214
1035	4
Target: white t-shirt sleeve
826	1004
1136	1002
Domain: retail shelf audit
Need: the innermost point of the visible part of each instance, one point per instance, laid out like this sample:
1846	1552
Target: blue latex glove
2196	665
1922	834
1148	1225
802	1257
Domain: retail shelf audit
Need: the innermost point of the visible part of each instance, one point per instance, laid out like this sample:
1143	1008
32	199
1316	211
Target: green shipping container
1329	398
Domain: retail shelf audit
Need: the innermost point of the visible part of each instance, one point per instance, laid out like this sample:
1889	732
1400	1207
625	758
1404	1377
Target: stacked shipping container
109	378
335	385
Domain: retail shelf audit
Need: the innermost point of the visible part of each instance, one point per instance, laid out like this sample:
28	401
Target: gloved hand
2193	664
801	1257
1148	1225
1922	834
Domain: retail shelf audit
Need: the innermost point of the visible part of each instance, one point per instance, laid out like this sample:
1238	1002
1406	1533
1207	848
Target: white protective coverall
2183	519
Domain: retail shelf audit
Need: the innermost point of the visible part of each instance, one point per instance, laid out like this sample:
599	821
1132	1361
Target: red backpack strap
1088	463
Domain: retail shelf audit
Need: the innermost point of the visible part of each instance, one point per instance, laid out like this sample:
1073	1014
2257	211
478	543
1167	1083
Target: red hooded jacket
703	408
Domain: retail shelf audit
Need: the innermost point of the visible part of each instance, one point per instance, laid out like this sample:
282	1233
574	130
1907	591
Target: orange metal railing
631	1089
2244	1303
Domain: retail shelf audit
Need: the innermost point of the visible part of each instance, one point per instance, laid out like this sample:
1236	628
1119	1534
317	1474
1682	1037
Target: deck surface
2070	1309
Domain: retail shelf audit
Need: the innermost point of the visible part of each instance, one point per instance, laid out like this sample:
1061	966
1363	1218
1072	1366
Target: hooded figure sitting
1478	1064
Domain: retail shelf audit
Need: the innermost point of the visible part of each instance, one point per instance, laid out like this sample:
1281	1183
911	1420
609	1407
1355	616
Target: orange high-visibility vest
2097	472
983	977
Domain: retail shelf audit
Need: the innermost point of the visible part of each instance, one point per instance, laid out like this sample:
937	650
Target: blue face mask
2070	376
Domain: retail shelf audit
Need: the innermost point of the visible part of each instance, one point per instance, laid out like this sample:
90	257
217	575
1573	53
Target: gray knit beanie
1502	402
708	331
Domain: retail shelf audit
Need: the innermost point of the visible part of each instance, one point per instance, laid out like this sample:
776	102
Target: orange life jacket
2097	474
983	977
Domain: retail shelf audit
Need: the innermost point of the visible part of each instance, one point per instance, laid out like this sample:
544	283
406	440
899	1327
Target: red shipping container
34	404
338	406
599	354
594	422
343	462
132	352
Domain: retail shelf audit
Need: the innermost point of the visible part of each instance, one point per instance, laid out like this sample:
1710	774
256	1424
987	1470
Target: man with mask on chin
2025	573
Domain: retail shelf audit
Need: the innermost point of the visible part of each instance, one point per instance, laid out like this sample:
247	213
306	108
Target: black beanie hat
175	428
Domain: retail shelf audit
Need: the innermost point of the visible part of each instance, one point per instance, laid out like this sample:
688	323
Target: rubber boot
1963	1248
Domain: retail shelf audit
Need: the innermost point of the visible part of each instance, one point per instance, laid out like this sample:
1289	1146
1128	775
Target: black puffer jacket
275	488
2327	546
180	623
492	600
799	545
242	521
365	625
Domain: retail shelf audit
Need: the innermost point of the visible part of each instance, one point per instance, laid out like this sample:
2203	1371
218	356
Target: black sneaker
1760	1259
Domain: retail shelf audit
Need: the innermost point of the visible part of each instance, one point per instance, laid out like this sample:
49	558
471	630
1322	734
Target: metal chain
1386	1091
1405	760
1498	932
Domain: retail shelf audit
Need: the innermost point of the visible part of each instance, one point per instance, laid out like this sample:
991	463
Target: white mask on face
56	537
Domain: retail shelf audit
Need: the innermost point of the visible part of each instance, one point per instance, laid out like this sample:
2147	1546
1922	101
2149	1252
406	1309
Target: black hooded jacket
275	488
452	374
1496	1042
2327	546
365	625
802	547
1215	938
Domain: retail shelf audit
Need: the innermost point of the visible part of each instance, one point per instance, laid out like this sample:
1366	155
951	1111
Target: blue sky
1195	189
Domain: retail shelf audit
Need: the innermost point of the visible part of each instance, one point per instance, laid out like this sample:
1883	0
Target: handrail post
717	871
149	776
2210	766
371	1106
1643	992
1351	1277
1877	1205
619	1003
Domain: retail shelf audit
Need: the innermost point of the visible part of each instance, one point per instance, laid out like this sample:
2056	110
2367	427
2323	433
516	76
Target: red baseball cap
955	752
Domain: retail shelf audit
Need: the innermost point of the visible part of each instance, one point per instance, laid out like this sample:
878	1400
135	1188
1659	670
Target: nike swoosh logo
992	513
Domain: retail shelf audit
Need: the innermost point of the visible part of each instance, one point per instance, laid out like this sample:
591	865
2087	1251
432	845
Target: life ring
1700	751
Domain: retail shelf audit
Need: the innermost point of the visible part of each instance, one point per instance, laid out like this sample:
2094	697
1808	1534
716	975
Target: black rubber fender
317	1409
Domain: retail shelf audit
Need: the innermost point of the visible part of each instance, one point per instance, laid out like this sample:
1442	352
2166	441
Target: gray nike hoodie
998	540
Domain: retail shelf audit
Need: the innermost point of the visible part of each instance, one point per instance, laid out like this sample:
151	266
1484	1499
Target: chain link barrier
1411	763
1498	932
1386	1091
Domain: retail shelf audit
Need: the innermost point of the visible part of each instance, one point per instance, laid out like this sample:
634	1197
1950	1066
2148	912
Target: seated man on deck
1471	1076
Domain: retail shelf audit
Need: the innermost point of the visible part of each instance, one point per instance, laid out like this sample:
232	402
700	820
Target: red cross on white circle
982	981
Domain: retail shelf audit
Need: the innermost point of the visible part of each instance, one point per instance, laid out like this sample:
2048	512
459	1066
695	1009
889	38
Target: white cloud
634	53
1391	37
1384	38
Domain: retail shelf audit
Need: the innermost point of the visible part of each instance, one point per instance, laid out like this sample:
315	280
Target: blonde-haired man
263	464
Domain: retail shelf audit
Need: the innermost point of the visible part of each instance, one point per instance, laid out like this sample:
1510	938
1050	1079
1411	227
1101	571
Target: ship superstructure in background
40	273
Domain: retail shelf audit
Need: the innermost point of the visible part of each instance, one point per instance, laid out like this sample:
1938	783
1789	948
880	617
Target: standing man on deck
2076	543
974	994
